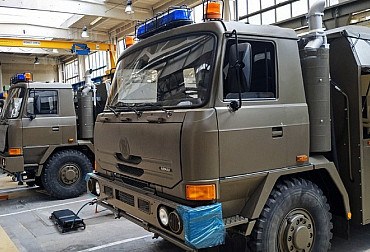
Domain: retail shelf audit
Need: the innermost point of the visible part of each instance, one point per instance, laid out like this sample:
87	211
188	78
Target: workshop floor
25	226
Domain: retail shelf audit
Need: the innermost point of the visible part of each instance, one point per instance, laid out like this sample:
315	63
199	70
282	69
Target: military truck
221	129
46	137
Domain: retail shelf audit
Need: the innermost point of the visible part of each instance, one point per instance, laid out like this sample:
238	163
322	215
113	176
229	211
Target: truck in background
46	134
229	128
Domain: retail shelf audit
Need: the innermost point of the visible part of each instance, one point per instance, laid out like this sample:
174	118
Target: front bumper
141	207
11	164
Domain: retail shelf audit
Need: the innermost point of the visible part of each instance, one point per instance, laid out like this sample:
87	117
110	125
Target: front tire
295	218
64	173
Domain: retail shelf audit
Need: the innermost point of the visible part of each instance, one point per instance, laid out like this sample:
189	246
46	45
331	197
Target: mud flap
203	226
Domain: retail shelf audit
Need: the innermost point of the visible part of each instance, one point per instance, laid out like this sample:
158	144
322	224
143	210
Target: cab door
40	123
252	138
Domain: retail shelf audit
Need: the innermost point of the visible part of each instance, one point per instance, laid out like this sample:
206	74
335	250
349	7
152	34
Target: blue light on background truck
173	17
21	78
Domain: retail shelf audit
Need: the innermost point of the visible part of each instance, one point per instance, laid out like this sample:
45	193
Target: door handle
277	132
55	128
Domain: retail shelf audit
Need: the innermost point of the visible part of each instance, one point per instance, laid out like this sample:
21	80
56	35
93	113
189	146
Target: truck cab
40	139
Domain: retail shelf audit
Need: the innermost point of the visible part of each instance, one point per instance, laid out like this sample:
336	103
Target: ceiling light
37	62
129	9
96	20
84	33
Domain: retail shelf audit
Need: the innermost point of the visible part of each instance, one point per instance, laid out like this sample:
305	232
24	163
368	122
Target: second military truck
46	134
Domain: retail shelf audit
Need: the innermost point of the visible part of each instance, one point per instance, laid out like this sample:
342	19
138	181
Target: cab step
234	221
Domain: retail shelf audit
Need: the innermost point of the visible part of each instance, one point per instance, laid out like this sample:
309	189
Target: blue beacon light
173	17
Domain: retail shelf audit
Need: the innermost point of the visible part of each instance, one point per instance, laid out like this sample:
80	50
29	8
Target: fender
53	148
256	202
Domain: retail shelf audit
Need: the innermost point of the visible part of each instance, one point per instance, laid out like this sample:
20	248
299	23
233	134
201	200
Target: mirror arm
238	66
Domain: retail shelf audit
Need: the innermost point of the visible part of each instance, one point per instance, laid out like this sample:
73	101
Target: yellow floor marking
5	243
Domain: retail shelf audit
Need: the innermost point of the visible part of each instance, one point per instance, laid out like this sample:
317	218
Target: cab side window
263	74
42	102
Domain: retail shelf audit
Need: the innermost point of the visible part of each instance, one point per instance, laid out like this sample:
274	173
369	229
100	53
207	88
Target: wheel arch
321	172
86	148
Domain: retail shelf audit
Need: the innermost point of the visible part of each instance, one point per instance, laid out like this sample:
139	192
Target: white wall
40	72
12	64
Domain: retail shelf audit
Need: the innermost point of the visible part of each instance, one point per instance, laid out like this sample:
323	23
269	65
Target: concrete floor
25	219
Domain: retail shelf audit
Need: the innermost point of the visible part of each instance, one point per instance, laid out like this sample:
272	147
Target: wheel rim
69	174
296	232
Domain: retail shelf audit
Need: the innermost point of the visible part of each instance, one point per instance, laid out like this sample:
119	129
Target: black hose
88	203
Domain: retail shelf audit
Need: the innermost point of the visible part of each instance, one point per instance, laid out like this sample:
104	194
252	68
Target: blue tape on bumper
203	226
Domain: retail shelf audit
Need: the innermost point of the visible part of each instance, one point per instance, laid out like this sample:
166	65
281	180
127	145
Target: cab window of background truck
13	104
174	73
263	81
41	102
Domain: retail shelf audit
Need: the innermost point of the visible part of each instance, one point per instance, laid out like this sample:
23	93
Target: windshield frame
7	102
155	105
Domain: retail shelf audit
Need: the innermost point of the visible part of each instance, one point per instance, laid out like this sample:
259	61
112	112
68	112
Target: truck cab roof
41	85
261	30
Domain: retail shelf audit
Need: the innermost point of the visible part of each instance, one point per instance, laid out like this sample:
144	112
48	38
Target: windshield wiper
138	113
113	110
157	106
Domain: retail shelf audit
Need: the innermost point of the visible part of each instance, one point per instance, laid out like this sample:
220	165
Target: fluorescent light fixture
55	50
129	9
37	62
84	33
96	20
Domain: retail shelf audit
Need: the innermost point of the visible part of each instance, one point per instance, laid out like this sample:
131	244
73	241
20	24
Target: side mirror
31	108
240	56
240	70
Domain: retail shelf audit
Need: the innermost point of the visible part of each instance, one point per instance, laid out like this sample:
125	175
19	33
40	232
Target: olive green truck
46	134
220	130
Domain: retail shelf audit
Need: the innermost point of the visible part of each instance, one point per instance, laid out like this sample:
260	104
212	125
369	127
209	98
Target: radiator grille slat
144	205
125	197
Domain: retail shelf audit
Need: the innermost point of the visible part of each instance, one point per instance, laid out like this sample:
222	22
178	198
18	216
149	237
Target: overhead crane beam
54	44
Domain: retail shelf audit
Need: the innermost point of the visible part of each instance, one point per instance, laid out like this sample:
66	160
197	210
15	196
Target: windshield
172	73
13	103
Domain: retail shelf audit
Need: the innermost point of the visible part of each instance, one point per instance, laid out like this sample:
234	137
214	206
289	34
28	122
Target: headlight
163	215
97	188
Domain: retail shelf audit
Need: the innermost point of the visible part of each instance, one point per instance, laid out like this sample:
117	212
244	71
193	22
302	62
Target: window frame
212	70
243	39
38	114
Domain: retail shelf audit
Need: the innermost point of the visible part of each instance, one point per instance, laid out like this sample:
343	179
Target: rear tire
64	174
296	217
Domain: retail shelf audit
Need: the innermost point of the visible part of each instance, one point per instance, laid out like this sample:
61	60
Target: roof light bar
21	78
174	17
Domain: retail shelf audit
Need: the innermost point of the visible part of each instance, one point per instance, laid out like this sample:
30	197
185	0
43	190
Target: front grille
143	205
108	191
125	197
130	170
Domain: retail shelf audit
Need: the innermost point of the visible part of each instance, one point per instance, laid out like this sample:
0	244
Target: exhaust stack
314	54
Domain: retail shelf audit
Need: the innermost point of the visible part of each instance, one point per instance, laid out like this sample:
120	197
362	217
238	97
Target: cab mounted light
302	158
129	41
212	10
15	151
28	76
201	192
